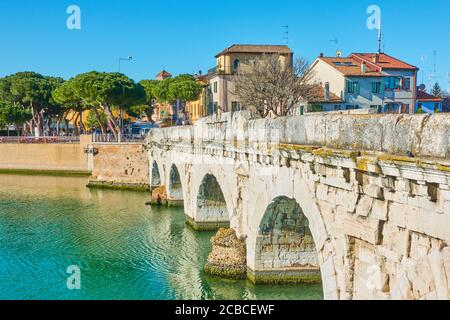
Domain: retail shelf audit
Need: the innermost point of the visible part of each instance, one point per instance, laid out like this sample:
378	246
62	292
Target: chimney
363	68
376	58
321	55
327	91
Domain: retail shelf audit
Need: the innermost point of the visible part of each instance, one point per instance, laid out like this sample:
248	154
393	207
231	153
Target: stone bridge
365	199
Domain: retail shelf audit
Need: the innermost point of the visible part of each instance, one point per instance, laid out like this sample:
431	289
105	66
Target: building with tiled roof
228	62
163	75
368	80
428	103
260	49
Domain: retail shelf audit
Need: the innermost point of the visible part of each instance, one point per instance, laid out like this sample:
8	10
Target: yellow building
198	109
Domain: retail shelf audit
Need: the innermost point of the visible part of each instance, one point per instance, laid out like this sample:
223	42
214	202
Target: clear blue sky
183	36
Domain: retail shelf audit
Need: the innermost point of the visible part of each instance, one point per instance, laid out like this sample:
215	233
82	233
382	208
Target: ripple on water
124	249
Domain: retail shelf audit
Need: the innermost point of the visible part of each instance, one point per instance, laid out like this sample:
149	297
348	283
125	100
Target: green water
125	250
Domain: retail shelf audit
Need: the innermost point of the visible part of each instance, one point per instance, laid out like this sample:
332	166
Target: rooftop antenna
286	34
423	58
448	89
379	36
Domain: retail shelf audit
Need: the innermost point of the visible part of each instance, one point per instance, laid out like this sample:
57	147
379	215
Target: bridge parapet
418	136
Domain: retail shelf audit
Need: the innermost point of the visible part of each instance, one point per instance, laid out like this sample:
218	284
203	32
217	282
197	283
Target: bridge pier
334	194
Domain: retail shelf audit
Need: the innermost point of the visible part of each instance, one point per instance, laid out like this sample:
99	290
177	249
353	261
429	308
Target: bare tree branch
272	87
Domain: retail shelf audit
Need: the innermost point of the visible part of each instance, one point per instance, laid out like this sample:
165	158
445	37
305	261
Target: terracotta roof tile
423	96
351	67
248	48
385	61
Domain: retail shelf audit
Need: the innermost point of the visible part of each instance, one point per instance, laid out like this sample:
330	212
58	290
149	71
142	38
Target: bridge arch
156	180
285	243
297	194
211	207
175	186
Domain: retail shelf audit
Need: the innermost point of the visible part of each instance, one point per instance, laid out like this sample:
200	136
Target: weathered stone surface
159	196
228	256
378	218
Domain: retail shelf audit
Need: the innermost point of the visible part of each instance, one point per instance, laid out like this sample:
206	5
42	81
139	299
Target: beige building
228	63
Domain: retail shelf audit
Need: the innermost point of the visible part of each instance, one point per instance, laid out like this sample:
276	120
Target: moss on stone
296	147
175	203
118	186
55	173
326	153
206	226
284	277
226	272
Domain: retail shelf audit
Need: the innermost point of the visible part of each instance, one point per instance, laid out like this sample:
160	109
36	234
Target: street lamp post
129	58
124	59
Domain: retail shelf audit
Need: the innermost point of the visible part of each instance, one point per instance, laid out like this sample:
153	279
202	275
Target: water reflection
125	250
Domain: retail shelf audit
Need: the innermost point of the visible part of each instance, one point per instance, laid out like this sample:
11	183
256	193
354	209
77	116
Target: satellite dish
338	53
422	87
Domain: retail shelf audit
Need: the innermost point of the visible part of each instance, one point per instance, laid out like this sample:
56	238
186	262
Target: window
406	85
353	87
236	64
337	107
392	83
376	87
235	106
215	87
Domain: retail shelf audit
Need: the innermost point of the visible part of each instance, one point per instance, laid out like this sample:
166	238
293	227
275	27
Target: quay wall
22	157
119	166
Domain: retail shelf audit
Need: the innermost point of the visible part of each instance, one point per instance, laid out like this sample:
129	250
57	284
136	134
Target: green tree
185	88
150	98
182	88
437	91
97	120
34	91
69	100
108	91
14	114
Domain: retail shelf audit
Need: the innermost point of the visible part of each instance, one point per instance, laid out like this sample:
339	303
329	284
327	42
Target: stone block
396	239
366	229
421	277
374	191
420	245
397	214
380	210
401	286
440	279
364	206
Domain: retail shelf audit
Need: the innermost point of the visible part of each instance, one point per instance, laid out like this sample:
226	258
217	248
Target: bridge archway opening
212	211
156	177
175	188
285	249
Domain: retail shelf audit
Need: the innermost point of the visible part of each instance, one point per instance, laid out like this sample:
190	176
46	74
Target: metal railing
40	140
110	138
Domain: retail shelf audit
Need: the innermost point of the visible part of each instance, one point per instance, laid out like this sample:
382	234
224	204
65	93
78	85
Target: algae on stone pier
228	258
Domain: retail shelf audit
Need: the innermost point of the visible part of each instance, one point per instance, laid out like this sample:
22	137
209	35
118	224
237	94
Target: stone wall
419	135
123	165
375	190
25	157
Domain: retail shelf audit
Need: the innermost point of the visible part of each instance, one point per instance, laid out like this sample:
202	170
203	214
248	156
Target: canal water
124	249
